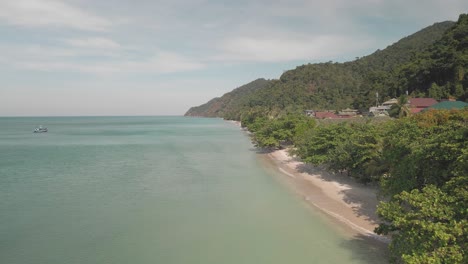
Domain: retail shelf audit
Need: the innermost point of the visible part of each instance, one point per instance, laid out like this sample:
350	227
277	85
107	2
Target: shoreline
351	204
338	196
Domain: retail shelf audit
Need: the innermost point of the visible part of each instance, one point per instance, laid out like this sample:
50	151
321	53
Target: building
448	105
416	105
390	102
326	115
382	110
348	112
309	112
379	110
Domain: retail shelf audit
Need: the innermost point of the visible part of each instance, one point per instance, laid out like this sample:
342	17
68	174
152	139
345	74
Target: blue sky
123	57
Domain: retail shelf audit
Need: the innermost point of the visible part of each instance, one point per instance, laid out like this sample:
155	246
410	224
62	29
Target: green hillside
229	102
442	70
431	62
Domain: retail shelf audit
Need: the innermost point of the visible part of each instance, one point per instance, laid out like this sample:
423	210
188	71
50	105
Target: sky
151	57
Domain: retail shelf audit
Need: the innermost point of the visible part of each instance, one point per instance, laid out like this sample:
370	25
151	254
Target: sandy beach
338	196
351	203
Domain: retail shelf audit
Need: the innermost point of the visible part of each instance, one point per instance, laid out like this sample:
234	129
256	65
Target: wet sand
339	196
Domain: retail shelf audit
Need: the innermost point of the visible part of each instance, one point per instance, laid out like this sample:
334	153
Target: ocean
166	190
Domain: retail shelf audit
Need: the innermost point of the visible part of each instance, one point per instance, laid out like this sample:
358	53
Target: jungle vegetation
420	163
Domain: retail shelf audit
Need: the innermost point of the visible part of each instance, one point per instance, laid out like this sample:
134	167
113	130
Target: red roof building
421	102
325	115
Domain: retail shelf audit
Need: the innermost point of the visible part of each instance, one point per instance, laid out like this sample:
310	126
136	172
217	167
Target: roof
422	102
349	110
449	105
323	115
391	102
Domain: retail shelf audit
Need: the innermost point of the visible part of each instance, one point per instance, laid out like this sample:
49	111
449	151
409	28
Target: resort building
348	112
326	115
416	105
382	110
448	105
390	102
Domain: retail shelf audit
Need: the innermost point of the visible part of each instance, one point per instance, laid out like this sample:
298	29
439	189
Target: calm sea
153	190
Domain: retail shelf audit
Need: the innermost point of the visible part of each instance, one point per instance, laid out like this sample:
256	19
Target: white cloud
93	43
32	52
165	62
34	13
274	49
59	59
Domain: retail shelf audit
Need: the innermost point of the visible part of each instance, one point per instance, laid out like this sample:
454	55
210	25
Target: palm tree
400	109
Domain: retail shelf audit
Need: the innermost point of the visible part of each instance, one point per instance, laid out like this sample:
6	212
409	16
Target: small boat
40	129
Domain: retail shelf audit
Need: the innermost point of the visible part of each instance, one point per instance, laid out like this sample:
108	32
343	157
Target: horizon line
19	116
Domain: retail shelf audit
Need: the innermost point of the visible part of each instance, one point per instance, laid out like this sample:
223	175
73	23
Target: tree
400	109
359	153
424	149
317	144
435	91
428	225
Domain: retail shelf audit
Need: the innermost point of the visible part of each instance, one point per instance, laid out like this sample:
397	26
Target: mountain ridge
217	106
332	85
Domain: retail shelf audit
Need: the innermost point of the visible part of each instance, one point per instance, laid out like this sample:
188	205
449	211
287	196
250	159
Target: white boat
40	129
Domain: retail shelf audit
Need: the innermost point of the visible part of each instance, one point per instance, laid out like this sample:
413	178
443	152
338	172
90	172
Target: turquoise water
153	190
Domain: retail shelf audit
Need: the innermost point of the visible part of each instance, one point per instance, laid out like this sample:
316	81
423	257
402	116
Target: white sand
337	195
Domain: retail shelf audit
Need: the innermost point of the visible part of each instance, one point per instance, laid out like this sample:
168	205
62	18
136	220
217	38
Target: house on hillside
390	102
309	113
382	110
378	111
448	105
331	114
348	112
326	115
416	105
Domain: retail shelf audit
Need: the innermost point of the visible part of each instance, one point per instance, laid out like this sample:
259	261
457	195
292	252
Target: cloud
277	49
36	52
94	43
314	30
56	13
60	59
167	62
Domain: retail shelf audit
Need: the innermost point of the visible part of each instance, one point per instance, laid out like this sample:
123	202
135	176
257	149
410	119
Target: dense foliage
428	148
426	159
442	70
428	225
229	103
273	133
421	163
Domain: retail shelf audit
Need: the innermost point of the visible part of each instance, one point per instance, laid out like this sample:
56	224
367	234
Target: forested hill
441	71
400	52
431	62
218	106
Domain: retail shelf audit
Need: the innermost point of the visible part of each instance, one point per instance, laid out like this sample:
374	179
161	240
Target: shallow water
153	190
